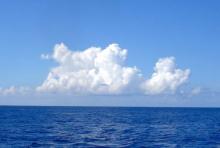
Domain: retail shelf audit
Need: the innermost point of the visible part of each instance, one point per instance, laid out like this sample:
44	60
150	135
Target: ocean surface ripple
109	127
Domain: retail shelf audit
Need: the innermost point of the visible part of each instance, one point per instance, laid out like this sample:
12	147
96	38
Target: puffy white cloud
94	70
103	71
166	77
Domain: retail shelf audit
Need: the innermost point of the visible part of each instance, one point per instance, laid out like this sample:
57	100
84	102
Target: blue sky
149	30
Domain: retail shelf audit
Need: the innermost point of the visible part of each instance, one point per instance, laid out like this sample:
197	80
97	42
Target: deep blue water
109	127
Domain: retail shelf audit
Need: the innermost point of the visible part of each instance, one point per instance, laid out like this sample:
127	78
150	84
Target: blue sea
109	127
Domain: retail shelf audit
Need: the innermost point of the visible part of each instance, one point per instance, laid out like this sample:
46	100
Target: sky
110	53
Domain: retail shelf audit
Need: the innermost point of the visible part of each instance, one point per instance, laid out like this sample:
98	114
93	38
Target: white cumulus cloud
103	71
94	70
166	77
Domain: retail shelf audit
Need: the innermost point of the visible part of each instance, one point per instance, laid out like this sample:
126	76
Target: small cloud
45	56
8	91
12	90
196	91
166	77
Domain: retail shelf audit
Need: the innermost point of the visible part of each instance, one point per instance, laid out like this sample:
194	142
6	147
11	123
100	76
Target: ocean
109	127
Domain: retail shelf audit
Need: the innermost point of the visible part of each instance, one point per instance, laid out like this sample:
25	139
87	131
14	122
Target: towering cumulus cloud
102	71
94	70
166	77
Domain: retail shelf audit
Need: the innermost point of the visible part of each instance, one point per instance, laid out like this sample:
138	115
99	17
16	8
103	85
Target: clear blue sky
186	29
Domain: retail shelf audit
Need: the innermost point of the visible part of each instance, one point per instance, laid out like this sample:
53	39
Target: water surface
109	127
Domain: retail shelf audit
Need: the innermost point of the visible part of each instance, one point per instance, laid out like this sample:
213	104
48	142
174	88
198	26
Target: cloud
94	70
12	90
103	71
45	56
166	77
196	91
